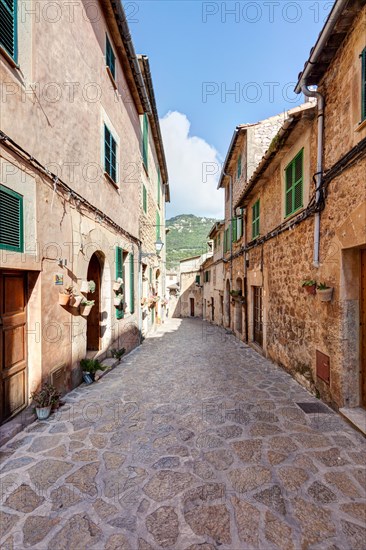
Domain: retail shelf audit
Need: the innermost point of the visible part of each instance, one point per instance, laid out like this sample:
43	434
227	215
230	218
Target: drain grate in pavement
309	408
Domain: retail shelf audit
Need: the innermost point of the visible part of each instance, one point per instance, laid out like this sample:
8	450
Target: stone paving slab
193	442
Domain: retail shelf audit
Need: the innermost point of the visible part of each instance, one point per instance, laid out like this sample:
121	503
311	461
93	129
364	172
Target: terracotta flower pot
85	310
75	301
325	295
310	289
63	299
43	412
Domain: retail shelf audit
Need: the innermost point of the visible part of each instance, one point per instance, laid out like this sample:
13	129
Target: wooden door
363	327
212	309
93	322
191	300
258	315
13	344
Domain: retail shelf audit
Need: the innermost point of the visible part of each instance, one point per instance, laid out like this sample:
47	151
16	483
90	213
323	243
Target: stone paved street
193	442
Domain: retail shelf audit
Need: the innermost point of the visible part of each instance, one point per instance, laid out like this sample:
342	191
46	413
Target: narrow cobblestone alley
193	442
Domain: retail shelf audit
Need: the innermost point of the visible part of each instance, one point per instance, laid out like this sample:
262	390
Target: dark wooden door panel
93	322
13	344
363	327
258	315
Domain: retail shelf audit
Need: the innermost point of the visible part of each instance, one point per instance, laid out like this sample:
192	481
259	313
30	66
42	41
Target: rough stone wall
188	289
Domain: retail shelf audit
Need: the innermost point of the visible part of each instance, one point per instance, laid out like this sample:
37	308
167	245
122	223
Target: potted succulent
65	295
310	286
117	353
117	285
44	399
324	292
90	367
85	306
87	286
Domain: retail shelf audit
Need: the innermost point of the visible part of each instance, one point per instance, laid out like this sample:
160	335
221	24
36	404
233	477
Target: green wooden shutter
363	84
255	219
294	184
119	274
144	198
11	220
145	141
234	229
150	274
132	283
8	27
159	187
157	226
110	57
238	167
198	279
110	154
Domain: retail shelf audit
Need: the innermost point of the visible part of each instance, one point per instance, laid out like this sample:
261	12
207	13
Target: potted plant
324	292
90	367
85	306
44	399
65	295
310	286
117	285
117	353
87	286
118	301
75	299
235	293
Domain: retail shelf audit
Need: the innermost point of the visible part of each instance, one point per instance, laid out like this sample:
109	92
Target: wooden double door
13	343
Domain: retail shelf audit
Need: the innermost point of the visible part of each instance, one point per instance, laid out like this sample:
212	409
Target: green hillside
187	237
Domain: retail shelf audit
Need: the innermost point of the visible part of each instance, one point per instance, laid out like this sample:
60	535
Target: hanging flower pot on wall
309	286
63	299
87	286
118	301
86	307
324	292
75	301
117	285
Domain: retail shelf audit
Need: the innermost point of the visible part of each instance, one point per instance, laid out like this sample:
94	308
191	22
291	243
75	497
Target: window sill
114	83
8	58
293	214
108	177
360	126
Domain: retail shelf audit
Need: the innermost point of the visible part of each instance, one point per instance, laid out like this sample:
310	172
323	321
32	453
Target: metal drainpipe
231	236
319	166
245	277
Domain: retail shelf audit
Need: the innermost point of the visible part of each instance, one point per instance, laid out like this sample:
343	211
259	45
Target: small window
294	184
255	219
198	280
8	27
110	154
207	276
238	167
110	58
11	220
219	239
239	229
234	235
144	198
132	283
363	85
145	141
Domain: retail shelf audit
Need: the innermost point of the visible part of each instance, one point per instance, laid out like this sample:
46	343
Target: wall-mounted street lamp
158	247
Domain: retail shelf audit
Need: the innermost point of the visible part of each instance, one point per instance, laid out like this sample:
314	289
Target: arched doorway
239	307
93	336
227	304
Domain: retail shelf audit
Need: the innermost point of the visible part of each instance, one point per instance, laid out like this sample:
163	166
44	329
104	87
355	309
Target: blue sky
199	52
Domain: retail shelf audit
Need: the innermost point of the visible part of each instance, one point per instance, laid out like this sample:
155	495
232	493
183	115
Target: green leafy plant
85	302
323	286
91	365
45	397
69	290
92	286
117	353
309	282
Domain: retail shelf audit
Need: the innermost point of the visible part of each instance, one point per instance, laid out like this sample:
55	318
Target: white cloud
194	168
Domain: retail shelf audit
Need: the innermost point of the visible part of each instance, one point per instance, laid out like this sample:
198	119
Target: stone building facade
190	303
322	343
72	167
212	276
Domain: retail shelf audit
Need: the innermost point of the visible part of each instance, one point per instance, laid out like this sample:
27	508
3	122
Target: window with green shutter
150	275
159	187
234	236
238	167
110	58
144	198
239	229
145	140
157	226
294	184
119	274
198	280
219	239
8	27
11	220
255	219
132	283
110	154
363	85
207	276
